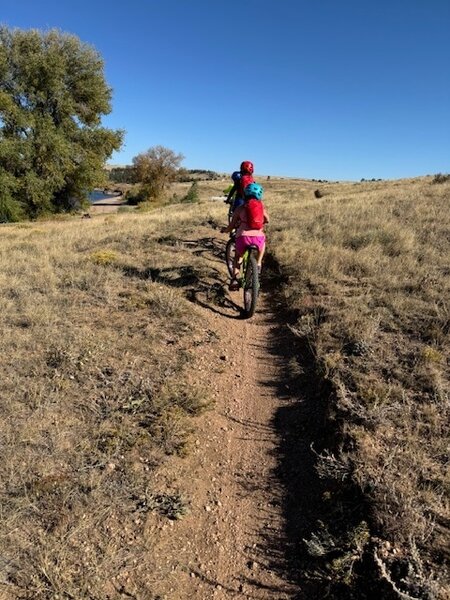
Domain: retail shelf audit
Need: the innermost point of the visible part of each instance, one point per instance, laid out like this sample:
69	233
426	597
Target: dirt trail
233	543
250	496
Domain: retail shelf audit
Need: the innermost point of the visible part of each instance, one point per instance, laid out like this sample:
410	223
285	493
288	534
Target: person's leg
260	256
260	242
236	265
239	250
234	282
241	244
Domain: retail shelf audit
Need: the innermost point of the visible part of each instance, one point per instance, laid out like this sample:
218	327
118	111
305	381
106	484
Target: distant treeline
127	174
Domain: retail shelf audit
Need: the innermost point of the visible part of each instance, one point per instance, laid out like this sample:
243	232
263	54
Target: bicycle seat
253	247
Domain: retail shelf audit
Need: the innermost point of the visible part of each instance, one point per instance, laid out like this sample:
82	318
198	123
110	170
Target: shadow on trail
202	285
299	423
311	505
210	245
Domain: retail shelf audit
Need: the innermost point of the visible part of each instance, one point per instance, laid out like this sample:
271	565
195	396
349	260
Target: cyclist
246	174
241	179
249	228
234	197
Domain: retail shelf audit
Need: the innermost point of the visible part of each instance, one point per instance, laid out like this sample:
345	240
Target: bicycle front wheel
251	285
230	251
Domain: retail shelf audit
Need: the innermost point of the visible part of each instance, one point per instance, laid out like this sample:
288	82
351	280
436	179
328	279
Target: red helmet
247	167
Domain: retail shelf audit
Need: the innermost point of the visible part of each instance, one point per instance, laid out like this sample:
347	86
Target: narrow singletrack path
249	523
233	544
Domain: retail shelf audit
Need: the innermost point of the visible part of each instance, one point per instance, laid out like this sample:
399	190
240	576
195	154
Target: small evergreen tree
192	195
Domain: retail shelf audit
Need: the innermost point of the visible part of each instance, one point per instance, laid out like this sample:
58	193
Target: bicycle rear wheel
230	212
251	285
230	251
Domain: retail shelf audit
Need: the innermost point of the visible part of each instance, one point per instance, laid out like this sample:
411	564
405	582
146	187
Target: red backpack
243	183
255	213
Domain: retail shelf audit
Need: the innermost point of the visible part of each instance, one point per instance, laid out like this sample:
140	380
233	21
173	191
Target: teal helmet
254	190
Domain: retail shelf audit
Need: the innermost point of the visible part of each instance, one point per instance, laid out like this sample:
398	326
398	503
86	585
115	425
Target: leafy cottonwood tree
52	146
155	168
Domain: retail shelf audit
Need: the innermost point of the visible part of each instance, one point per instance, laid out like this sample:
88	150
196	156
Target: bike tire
251	285
230	212
230	251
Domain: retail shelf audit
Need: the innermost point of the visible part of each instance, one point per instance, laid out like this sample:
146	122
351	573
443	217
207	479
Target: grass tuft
104	257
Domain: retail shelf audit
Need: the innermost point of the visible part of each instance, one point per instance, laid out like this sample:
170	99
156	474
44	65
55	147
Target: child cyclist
234	196
241	179
248	220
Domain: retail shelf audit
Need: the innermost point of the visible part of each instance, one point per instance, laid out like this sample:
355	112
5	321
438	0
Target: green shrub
192	195
10	210
440	178
135	196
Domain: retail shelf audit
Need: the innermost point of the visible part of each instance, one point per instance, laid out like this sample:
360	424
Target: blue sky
335	89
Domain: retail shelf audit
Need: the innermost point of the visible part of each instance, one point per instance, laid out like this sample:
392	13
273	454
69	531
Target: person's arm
266	216
233	224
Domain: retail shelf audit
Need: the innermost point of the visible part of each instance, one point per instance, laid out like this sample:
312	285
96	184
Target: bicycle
248	274
230	251
230	209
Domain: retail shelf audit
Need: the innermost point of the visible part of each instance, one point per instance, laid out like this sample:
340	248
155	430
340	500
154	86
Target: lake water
97	195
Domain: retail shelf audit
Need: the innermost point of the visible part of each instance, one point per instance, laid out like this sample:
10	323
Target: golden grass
96	395
367	269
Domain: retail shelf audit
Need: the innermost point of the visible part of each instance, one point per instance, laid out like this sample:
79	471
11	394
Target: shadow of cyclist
202	285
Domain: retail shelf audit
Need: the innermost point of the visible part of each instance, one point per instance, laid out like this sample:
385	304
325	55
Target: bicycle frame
244	263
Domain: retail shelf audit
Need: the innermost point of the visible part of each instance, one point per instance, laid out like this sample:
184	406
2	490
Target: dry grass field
366	270
97	394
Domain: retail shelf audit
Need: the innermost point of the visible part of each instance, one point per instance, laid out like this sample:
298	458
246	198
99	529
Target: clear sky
325	89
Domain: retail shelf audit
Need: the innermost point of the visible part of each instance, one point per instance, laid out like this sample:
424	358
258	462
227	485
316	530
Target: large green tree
53	147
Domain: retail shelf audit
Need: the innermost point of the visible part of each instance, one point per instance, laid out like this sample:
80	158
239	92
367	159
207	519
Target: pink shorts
248	240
